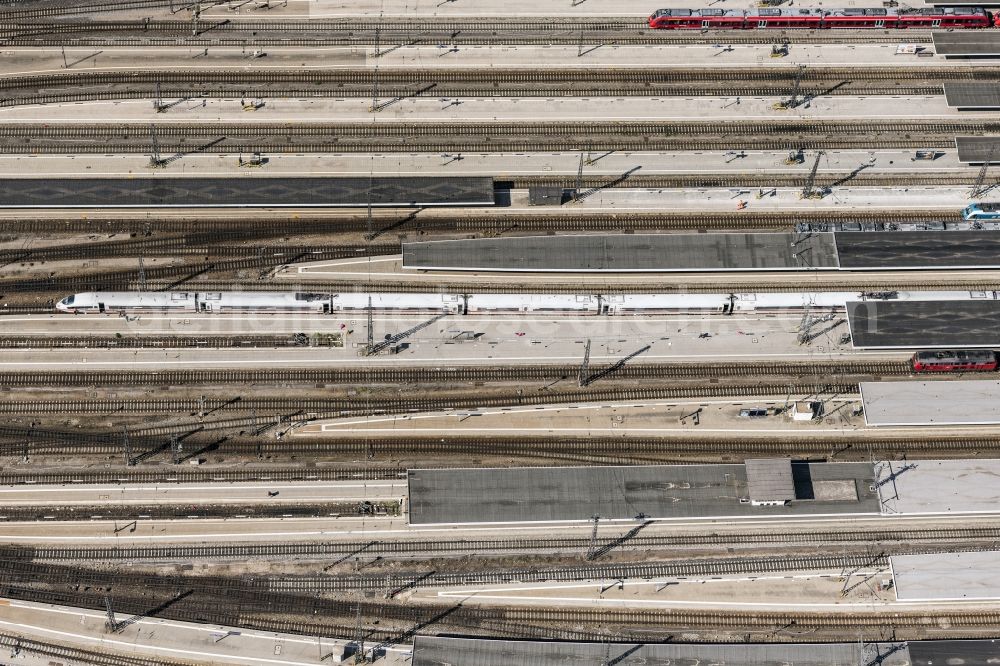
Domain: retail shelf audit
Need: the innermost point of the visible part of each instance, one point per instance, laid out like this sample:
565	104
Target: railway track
840	282
199	245
387	32
171	277
307	585
188	511
53	9
44	293
331	407
246	603
888	538
402	84
59	653
618	571
153	444
280	223
133	475
374	374
489	137
210	341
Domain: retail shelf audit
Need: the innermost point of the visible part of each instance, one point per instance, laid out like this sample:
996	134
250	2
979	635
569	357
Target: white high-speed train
312	302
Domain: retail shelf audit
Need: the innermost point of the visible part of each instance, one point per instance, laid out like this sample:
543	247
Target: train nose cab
982	210
66	304
996	19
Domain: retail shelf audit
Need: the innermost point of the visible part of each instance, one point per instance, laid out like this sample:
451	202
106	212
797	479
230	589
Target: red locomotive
821	19
975	360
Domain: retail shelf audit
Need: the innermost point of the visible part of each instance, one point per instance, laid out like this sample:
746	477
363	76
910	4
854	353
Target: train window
216	296
179	296
769	12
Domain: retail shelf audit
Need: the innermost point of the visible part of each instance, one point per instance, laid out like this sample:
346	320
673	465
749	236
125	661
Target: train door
705	24
206	307
936	23
101	308
880	23
762	23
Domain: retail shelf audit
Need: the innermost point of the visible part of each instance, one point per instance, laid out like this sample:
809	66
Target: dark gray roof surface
918	249
234	192
770	479
965	95
967	653
967	43
619	493
438	651
973	149
628	252
925	324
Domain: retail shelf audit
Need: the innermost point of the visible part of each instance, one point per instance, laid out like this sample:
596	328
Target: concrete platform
938	487
508	338
935	402
156	639
228	192
967	43
463	496
968	576
37	59
502	109
627	253
200	493
503	165
390	267
649	418
437	651
926	324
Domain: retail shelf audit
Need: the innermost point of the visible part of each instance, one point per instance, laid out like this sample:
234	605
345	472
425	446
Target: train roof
956	354
771	12
708	11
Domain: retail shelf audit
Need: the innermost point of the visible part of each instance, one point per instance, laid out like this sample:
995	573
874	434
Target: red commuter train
820	19
974	360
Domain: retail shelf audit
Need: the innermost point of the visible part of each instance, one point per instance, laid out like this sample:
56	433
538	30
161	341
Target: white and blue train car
543	304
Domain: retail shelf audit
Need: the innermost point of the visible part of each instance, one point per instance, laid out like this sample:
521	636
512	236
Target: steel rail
388	32
402	84
332	407
22	645
428	220
489	137
375	374
916	537
411	78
